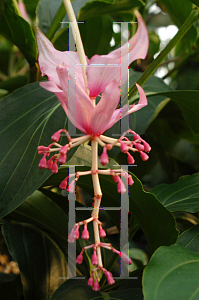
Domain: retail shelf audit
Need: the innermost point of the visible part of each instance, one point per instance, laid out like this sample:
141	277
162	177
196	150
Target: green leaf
18	31
40	260
190	238
47	9
97	8
39	210
29	116
178	11
96	34
73	289
180	196
188	102
172	273
196	2
140	120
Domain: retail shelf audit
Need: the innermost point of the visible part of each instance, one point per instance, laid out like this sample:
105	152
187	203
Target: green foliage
41	113
180	196
174	267
18	31
163	202
38	257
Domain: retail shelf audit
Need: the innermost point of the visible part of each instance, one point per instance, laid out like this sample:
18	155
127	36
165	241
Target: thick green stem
97	197
192	18
60	14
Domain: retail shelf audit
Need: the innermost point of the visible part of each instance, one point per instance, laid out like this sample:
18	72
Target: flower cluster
91	78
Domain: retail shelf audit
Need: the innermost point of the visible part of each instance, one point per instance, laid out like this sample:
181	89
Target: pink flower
23	11
101	78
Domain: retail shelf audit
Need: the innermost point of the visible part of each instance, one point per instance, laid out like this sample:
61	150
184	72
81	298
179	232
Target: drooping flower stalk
92	120
77	38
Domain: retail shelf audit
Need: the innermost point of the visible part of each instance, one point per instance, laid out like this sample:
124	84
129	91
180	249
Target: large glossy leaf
29	116
96	8
96	34
188	102
18	31
190	238
180	196
46	214
40	260
172	273
74	289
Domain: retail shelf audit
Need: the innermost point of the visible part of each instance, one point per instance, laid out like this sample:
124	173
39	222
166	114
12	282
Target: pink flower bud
63	150
104	157
109	146
102	233
76	232
79	258
136	137
109	277
130	159
63	184
126	258
62	159
56	136
138	146
96	285
115	178
54	169
147	147
49	163
130	180
90	281
71	236
42	163
41	149
144	156
85	233
121	187
94	259
71	187
123	147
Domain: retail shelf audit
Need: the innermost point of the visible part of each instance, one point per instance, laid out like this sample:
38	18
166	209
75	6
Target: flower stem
98	195
77	37
192	18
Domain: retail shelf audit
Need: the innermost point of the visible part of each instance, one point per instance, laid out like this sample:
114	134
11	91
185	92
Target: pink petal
100	76
52	87
78	111
49	58
105	108
122	112
23	11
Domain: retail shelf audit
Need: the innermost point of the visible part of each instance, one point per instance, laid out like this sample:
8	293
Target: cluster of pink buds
126	146
61	156
137	145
